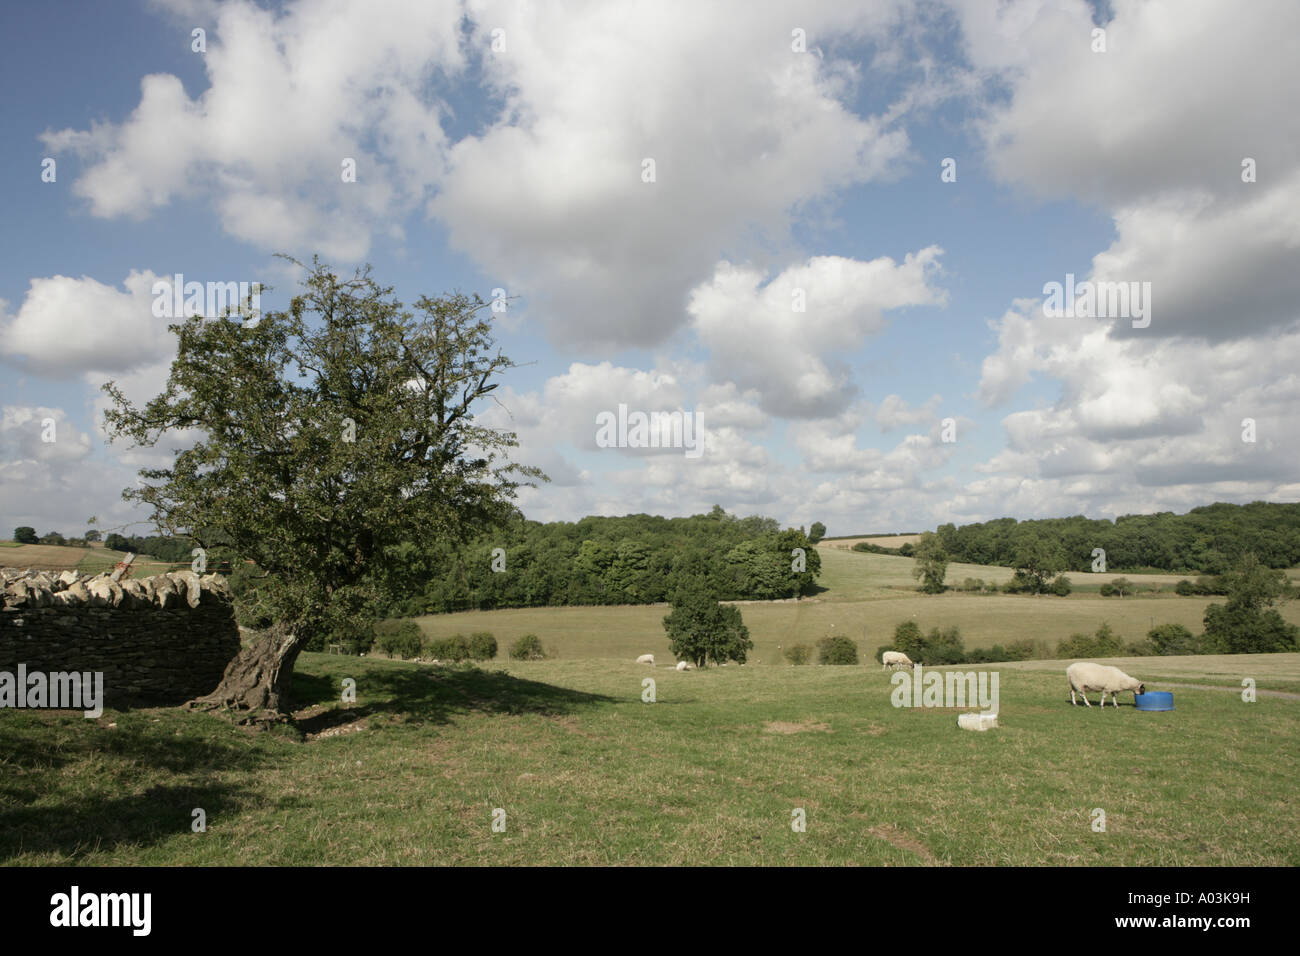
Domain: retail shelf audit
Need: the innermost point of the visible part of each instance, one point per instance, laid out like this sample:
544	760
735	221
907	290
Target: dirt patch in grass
904	841
785	727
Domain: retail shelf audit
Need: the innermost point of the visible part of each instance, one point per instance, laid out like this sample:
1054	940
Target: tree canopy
327	435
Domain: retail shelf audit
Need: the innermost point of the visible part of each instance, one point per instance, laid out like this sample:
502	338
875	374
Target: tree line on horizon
1207	540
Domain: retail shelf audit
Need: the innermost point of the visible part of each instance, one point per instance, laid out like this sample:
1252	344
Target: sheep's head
1142	688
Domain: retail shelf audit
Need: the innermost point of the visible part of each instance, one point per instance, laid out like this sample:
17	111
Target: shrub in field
943	646
1123	587
1104	643
798	653
527	648
402	640
1029	649
454	648
909	639
1169	639
1060	585
836	650
1107	590
409	639
482	646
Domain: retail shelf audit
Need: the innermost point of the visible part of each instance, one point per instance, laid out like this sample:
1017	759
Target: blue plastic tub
1154	700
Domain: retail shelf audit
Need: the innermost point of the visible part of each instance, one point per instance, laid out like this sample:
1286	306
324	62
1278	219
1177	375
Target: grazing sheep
895	659
646	659
685	666
1084	677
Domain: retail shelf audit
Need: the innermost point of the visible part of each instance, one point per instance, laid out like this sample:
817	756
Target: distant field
867	596
91	560
885	541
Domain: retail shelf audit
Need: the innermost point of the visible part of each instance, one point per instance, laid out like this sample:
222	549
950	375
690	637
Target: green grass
866	596
588	774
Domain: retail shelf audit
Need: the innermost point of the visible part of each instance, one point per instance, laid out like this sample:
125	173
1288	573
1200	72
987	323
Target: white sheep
685	666
646	659
895	659
1084	677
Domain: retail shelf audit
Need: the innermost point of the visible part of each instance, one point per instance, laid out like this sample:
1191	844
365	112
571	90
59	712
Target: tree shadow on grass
42	810
435	695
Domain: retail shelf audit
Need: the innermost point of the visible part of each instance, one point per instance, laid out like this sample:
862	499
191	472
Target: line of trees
1211	539
633	559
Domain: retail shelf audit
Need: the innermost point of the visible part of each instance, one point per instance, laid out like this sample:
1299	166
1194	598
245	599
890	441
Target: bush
454	648
1104	643
1029	649
837	650
943	647
908	639
1108	590
404	640
527	648
1123	587
798	653
1060	585
482	646
26	535
1169	639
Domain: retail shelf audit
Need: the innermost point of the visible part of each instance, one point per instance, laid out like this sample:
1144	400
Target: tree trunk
255	687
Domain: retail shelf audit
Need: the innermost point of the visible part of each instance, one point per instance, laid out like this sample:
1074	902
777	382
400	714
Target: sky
827	231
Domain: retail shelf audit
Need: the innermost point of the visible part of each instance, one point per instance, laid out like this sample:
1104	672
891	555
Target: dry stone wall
162	639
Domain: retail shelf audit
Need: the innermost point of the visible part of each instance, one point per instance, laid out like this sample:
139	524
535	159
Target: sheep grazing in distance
895	659
646	659
1084	677
685	666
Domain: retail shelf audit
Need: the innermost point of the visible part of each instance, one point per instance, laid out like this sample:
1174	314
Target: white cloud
744	134
66	326
290	96
793	359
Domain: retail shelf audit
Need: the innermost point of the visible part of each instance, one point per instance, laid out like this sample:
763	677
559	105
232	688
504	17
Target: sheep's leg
1073	700
1083	692
1103	698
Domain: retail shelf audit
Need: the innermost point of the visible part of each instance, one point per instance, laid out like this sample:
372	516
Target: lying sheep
1084	677
685	666
646	659
895	659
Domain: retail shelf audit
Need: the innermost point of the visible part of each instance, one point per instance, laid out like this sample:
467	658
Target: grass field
710	773
90	560
866	596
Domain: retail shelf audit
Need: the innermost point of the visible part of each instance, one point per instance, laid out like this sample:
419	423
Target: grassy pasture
90	560
589	774
885	541
867	596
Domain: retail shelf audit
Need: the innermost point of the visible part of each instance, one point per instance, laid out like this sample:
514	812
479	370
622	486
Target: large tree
702	631
931	563
1248	623
331	437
